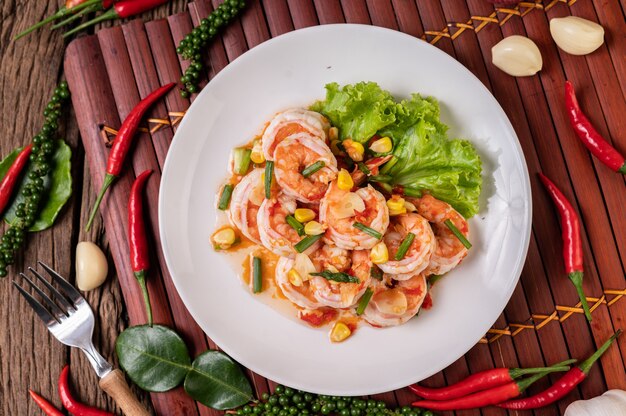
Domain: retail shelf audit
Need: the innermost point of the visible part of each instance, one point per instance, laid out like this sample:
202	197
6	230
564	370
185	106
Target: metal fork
71	321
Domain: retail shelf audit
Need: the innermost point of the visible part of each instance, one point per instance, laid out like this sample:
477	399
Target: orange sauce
268	267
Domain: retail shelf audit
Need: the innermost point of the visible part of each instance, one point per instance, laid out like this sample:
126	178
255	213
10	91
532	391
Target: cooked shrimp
244	204
341	230
336	294
300	295
450	251
295	120
390	306
294	154
419	253
276	234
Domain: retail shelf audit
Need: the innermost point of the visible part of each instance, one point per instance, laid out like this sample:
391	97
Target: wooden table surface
31	67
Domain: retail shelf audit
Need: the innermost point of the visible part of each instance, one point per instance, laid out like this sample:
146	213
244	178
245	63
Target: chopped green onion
337	277
457	233
307	242
241	160
385	187
363	168
387	166
257	277
412	192
311	169
380	178
269	172
434	278
295	224
376	273
367	230
225	197
404	246
365	299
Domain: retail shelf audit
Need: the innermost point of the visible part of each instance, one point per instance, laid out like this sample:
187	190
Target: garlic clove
517	56
575	35
304	266
391	302
348	206
91	266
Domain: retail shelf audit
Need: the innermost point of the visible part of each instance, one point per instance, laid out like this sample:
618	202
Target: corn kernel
333	134
379	253
344	180
294	277
257	155
313	228
304	214
224	238
383	145
396	205
354	149
340	332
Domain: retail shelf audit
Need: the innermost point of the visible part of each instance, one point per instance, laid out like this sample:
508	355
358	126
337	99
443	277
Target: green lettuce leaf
358	110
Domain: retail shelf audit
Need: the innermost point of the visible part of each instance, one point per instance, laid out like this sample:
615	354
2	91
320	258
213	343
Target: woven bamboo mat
110	71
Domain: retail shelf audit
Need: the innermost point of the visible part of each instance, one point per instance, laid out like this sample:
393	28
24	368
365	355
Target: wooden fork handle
116	386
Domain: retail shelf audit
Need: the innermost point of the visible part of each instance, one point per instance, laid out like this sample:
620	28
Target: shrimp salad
349	239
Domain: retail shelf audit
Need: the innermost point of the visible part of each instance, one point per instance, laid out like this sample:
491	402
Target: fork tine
62	300
37	307
69	290
54	308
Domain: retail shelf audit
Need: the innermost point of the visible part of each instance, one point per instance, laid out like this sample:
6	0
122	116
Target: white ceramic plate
289	71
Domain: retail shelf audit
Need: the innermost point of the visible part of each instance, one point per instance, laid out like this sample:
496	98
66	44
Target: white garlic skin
91	266
611	403
575	35
517	56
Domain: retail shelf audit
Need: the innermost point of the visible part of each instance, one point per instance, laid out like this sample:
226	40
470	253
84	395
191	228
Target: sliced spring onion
376	273
269	172
412	192
295	224
387	166
225	197
257	276
367	230
363	168
241	160
434	278
311	169
385	187
380	178
336	277
365	299
404	246
458	234
307	242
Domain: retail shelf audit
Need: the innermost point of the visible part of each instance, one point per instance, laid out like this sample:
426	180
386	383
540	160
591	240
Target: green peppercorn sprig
286	401
44	146
191	46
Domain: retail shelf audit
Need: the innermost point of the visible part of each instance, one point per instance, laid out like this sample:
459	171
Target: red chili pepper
564	385
47	407
139	255
122	143
120	10
74	407
590	137
7	185
480	381
572	243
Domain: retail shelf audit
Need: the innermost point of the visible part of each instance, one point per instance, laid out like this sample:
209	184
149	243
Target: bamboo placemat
110	71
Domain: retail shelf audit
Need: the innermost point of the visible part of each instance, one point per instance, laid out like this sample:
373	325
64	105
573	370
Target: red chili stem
138	242
572	241
47	407
564	385
74	407
479	381
62	12
590	137
7	185
123	141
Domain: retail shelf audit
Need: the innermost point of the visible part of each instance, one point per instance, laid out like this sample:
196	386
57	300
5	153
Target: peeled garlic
517	55
392	302
304	266
611	403
575	35
91	266
348	205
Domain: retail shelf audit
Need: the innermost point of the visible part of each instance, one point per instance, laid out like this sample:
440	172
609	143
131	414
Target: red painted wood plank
302	13
329	11
408	17
233	37
278	18
382	14
613	19
254	24
433	19
216	57
355	11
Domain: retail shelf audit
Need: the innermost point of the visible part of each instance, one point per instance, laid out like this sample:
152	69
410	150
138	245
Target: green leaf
215	380
57	186
154	357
